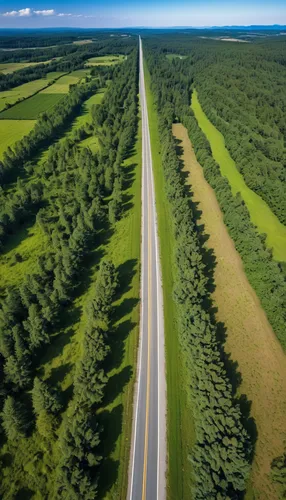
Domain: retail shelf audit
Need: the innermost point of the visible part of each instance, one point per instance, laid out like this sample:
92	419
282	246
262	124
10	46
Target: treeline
222	451
264	274
78	444
62	438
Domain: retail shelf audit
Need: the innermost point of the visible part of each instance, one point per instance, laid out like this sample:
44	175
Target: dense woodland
241	88
218	420
75	196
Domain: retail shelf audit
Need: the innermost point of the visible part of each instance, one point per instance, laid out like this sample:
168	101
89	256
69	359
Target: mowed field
21	92
105	60
260	213
12	131
31	108
61	86
250	340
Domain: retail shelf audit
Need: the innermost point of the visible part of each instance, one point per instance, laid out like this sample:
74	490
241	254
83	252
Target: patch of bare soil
250	341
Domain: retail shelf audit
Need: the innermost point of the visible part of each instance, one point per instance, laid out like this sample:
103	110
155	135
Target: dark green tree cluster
221	455
76	475
115	121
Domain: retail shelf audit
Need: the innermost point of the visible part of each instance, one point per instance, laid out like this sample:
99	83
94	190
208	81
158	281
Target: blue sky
112	13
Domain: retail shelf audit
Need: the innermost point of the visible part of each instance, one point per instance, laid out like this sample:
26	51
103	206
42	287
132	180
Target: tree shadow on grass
24	494
116	384
112	428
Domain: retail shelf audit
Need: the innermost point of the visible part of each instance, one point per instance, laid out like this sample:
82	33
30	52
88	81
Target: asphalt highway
148	450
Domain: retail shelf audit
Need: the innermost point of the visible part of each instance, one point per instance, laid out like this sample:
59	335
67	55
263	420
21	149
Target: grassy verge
180	432
260	213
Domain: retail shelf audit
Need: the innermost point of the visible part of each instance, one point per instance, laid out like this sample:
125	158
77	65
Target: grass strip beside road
179	427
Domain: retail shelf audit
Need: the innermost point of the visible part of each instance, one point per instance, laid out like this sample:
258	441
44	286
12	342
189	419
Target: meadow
260	213
12	131
62	85
21	92
31	108
105	60
7	68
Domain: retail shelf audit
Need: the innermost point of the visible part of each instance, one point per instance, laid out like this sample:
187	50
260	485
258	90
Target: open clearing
31	108
105	60
21	92
12	131
250	340
175	56
259	211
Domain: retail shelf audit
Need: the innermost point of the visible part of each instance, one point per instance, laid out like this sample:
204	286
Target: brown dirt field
251	342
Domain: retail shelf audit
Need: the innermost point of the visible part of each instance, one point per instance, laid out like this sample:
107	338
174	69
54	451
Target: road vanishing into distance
148	449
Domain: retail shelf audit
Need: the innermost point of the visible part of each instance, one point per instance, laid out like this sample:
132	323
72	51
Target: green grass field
105	60
23	91
52	75
179	421
12	131
61	86
84	116
260	213
31	108
6	68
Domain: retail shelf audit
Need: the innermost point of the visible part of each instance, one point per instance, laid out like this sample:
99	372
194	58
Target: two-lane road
148	451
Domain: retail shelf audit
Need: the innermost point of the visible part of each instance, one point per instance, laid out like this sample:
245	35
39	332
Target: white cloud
29	12
49	12
13	13
25	12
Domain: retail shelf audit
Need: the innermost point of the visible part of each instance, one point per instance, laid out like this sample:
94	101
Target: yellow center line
148	355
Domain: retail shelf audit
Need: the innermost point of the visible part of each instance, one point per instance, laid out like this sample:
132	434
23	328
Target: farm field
61	86
261	215
31	108
21	92
250	340
12	131
180	429
7	68
105	60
